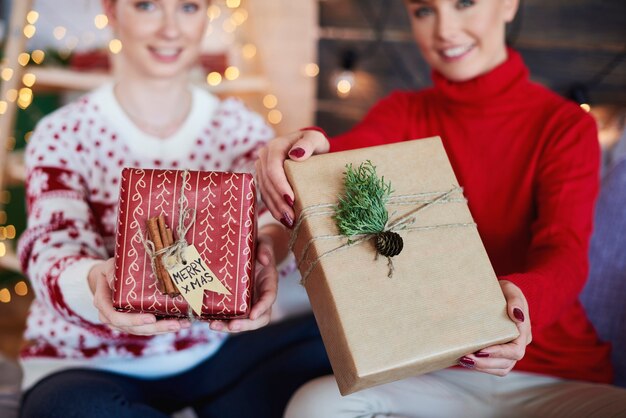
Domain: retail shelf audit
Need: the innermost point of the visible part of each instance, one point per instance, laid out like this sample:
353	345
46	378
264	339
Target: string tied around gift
377	194
186	219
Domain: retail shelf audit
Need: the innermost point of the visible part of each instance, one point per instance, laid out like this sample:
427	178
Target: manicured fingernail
234	327
216	326
174	328
481	354
467	362
296	152
288	199
185	324
149	320
518	314
286	220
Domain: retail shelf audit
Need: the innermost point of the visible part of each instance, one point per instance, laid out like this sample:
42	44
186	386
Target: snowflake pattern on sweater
74	160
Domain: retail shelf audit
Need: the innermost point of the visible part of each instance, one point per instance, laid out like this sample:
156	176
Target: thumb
310	142
109	271
515	301
265	253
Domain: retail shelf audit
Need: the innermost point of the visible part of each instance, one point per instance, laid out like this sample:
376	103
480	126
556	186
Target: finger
128	320
498	367
277	188
513	350
108	314
517	308
523	327
217	325
268	288
525	334
109	271
265	253
307	144
159	327
297	146
264	185
481	364
241	325
264	303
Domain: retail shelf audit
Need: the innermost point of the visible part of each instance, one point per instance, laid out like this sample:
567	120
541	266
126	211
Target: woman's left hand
266	287
500	359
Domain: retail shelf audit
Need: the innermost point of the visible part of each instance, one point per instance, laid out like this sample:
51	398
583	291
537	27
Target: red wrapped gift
212	212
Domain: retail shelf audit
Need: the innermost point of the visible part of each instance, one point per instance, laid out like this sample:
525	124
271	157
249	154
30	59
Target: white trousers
453	393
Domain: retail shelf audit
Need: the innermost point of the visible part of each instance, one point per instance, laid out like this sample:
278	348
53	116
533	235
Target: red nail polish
518	314
296	152
288	199
481	354
286	220
467	362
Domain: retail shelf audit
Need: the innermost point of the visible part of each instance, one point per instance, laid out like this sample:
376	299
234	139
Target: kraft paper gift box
220	223
443	300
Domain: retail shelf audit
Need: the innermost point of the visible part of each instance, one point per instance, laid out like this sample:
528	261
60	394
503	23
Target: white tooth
166	52
456	51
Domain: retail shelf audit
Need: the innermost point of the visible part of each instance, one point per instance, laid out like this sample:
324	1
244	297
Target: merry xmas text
192	276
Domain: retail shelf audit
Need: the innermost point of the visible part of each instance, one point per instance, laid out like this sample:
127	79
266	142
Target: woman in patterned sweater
82	356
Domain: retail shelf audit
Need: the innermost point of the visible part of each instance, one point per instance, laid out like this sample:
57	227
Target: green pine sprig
361	210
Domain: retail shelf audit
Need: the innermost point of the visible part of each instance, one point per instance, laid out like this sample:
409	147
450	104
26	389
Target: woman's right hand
100	279
275	189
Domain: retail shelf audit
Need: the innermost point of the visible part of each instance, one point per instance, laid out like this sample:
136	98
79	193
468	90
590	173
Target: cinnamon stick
155	237
170	236
170	289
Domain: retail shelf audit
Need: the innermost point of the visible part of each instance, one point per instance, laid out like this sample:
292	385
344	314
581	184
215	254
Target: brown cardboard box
443	300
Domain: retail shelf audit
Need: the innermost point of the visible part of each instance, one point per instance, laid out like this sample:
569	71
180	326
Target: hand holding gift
186	244
101	279
266	286
440	293
272	181
500	359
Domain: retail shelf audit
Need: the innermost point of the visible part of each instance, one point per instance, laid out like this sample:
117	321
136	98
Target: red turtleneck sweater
528	161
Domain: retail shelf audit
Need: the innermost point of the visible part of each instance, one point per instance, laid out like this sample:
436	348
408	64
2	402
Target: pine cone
389	243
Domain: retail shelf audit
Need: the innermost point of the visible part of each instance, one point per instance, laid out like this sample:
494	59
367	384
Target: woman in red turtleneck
528	162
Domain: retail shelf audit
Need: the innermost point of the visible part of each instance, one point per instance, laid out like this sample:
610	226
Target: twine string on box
186	219
403	223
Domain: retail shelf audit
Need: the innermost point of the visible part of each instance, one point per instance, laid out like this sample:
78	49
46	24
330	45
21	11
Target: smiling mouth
456	52
166	54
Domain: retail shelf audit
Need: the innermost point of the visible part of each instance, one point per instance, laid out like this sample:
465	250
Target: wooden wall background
564	42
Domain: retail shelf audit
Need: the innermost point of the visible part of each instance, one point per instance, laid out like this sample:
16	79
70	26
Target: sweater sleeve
61	242
566	186
385	122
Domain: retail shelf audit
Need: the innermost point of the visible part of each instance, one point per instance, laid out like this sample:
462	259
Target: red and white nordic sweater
528	162
74	160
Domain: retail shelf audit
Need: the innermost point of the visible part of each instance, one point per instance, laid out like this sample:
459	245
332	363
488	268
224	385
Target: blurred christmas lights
231	73
59	32
101	21
270	101
214	78
343	80
115	46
